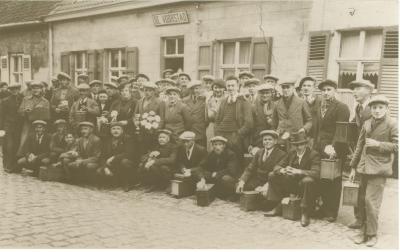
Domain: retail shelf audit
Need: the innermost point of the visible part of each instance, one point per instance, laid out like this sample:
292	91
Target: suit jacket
107	107
261	169
244	117
167	155
177	118
10	120
291	119
92	151
57	143
119	151
92	112
376	160
224	164
40	108
310	162
365	115
125	108
70	94
198	154
314	107
41	150
155	104
197	111
326	126
260	119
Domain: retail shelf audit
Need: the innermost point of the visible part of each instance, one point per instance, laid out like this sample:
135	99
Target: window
81	66
16	71
173	54
359	56
235	57
117	62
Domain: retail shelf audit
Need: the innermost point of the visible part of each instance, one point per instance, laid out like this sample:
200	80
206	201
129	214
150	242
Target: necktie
296	162
266	155
188	154
359	110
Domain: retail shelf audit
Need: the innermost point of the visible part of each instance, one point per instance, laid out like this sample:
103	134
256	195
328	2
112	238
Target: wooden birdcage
350	194
330	169
291	209
249	201
182	187
205	196
346	132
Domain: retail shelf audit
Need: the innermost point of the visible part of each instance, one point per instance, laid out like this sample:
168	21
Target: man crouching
295	174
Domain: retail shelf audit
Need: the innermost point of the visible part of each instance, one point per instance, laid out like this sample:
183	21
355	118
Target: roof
23	12
74	5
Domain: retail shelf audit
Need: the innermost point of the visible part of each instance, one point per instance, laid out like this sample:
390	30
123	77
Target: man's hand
240	186
149	164
109	161
282	171
295	171
201	184
369	142
2	133
187	172
352	175
301	130
214	174
285	135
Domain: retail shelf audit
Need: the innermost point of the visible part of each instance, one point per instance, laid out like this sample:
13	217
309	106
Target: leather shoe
305	220
330	219
274	212
355	225
359	239
371	241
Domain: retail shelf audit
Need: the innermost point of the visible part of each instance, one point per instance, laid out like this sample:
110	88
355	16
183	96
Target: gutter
19	24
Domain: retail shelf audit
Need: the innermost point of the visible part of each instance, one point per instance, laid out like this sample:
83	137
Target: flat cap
253	81
167	80
287	82
270	76
150	85
246	73
60	121
111	85
174	76
165	131
218	138
89	124
95	82
85	76
208	77
168	70
272	133
378	99
143	76
116	124
83	86
39	122
172	89
219	82
302	80
187	135
62	75
194	83
328	83
36	84
123	76
185	74
3	83
361	83
265	87
14	85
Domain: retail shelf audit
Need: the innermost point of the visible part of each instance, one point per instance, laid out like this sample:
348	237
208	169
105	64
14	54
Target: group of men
144	133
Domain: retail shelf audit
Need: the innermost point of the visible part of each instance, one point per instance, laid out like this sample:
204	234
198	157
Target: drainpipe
50	45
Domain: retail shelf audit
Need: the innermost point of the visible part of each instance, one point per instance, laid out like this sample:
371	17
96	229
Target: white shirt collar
190	152
300	156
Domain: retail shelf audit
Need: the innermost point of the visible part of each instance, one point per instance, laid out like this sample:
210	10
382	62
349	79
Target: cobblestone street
39	214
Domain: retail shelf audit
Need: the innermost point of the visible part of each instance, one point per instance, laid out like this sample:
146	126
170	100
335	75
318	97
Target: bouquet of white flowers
150	121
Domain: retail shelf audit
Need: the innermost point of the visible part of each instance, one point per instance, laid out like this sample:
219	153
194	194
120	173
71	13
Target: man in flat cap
373	159
249	89
112	91
184	80
243	77
95	87
262	115
330	111
63	98
123	79
167	73
57	142
33	107
196	103
11	126
273	80
89	151
36	149
82	79
208	81
118	157
291	113
298	174
84	109
255	176
159	165
220	167
234	119
3	90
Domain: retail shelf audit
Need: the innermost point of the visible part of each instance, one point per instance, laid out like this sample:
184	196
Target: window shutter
5	74
106	66
72	66
99	65
91	64
388	79
260	51
132	60
205	59
26	66
65	62
318	51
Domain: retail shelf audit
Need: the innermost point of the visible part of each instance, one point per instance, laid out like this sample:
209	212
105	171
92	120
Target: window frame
176	54
84	68
12	71
237	67
120	69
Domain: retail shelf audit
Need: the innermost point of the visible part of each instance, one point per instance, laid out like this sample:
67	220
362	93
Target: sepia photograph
199	124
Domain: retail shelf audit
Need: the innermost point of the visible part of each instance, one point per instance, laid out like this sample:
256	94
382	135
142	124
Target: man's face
265	95
270	81
123	81
361	93
81	80
36	91
300	147
208	84
126	92
232	86
173	96
39	129
116	131
243	79
103	98
64	82
69	139
308	87
188	143
110	91
287	90
252	89
183	79
149	92
197	90
86	130
14	91
141	80
218	147
61	128
167	75
163	139
55	83
269	141
218	91
83	93
328	92
95	89
379	110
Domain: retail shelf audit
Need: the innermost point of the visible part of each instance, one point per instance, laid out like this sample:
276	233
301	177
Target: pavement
37	214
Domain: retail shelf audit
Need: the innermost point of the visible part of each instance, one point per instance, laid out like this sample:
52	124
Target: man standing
330	111
167	73
63	98
11	126
112	92
82	79
95	87
234	119
84	109
3	90
291	113
297	174
196	104
249	89
273	81
243	77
